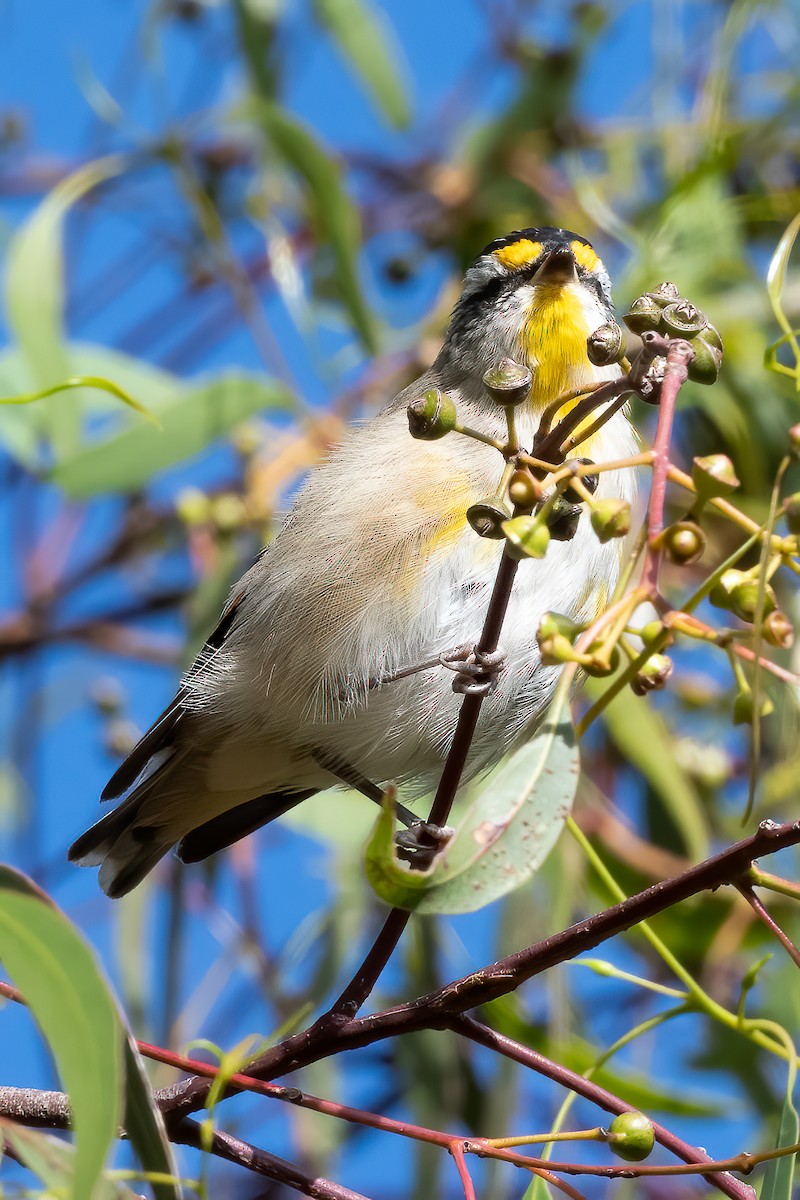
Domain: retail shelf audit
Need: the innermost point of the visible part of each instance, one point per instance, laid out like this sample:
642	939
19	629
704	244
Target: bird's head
534	295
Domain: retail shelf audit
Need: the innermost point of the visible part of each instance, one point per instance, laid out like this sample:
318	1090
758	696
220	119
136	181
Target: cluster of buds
225	512
665	311
522	511
739	592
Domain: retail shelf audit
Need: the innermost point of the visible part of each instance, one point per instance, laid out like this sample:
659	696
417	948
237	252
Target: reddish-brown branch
679	358
436	1008
772	925
362	983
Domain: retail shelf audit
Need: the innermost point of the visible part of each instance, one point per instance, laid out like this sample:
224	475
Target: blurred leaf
334	213
779	1175
57	973
643	740
505	834
776	280
19	433
144	1125
579	1055
34	292
82	381
197	416
54	1161
363	39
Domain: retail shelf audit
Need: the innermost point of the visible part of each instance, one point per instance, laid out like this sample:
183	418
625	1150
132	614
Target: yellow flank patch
519	254
554	342
584	255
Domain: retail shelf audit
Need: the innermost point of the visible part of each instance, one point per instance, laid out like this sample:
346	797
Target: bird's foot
477	673
421	842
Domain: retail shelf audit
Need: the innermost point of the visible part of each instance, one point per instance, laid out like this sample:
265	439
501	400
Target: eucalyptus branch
500	978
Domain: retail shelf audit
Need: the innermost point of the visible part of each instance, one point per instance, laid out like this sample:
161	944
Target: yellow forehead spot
585	255
518	254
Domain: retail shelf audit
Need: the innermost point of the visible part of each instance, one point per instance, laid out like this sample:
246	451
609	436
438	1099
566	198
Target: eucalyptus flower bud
193	506
611	518
643	314
606	345
666	293
721	594
508	382
487	517
553	623
683	319
432	416
744	709
523	490
684	542
777	630
713	476
631	1136
596	666
791	510
705	366
652	630
526	537
794	440
654	674
555	650
590	482
744	600
563	518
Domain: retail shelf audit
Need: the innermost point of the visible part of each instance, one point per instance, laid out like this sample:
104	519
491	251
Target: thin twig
501	977
770	922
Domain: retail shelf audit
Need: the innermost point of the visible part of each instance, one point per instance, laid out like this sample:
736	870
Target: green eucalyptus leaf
361	35
70	1001
53	1161
504	835
34	294
199	414
779	1175
334	213
641	736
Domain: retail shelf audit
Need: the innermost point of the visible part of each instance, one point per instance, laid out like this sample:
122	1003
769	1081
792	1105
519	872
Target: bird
309	679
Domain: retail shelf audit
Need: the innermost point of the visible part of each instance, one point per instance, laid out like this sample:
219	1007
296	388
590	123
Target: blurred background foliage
258	232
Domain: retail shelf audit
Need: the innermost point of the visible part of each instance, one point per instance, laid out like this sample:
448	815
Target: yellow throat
554	344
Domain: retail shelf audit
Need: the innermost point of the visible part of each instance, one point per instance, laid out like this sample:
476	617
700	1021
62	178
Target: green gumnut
631	1136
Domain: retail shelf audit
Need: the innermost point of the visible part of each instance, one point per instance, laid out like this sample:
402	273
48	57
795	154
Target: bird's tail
122	847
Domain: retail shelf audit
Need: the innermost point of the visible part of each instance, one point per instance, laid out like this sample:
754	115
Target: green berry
432	416
611	518
631	1136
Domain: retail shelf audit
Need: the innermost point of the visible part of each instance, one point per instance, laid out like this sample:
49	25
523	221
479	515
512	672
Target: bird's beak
558	269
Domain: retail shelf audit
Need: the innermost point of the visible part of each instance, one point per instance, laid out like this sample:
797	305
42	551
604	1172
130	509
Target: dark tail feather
123	850
236	823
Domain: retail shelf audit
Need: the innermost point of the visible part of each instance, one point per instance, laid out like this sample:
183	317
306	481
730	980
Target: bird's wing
159	737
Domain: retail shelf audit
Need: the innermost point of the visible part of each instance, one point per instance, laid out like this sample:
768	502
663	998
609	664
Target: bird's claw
478	673
421	842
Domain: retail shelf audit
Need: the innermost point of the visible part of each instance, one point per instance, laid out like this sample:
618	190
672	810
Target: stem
679	357
770	922
365	978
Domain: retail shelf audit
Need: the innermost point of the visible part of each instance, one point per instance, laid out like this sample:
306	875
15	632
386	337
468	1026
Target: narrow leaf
198	416
145	1127
56	971
79	381
52	1160
334	213
505	834
638	731
779	1175
776	274
360	33
34	292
